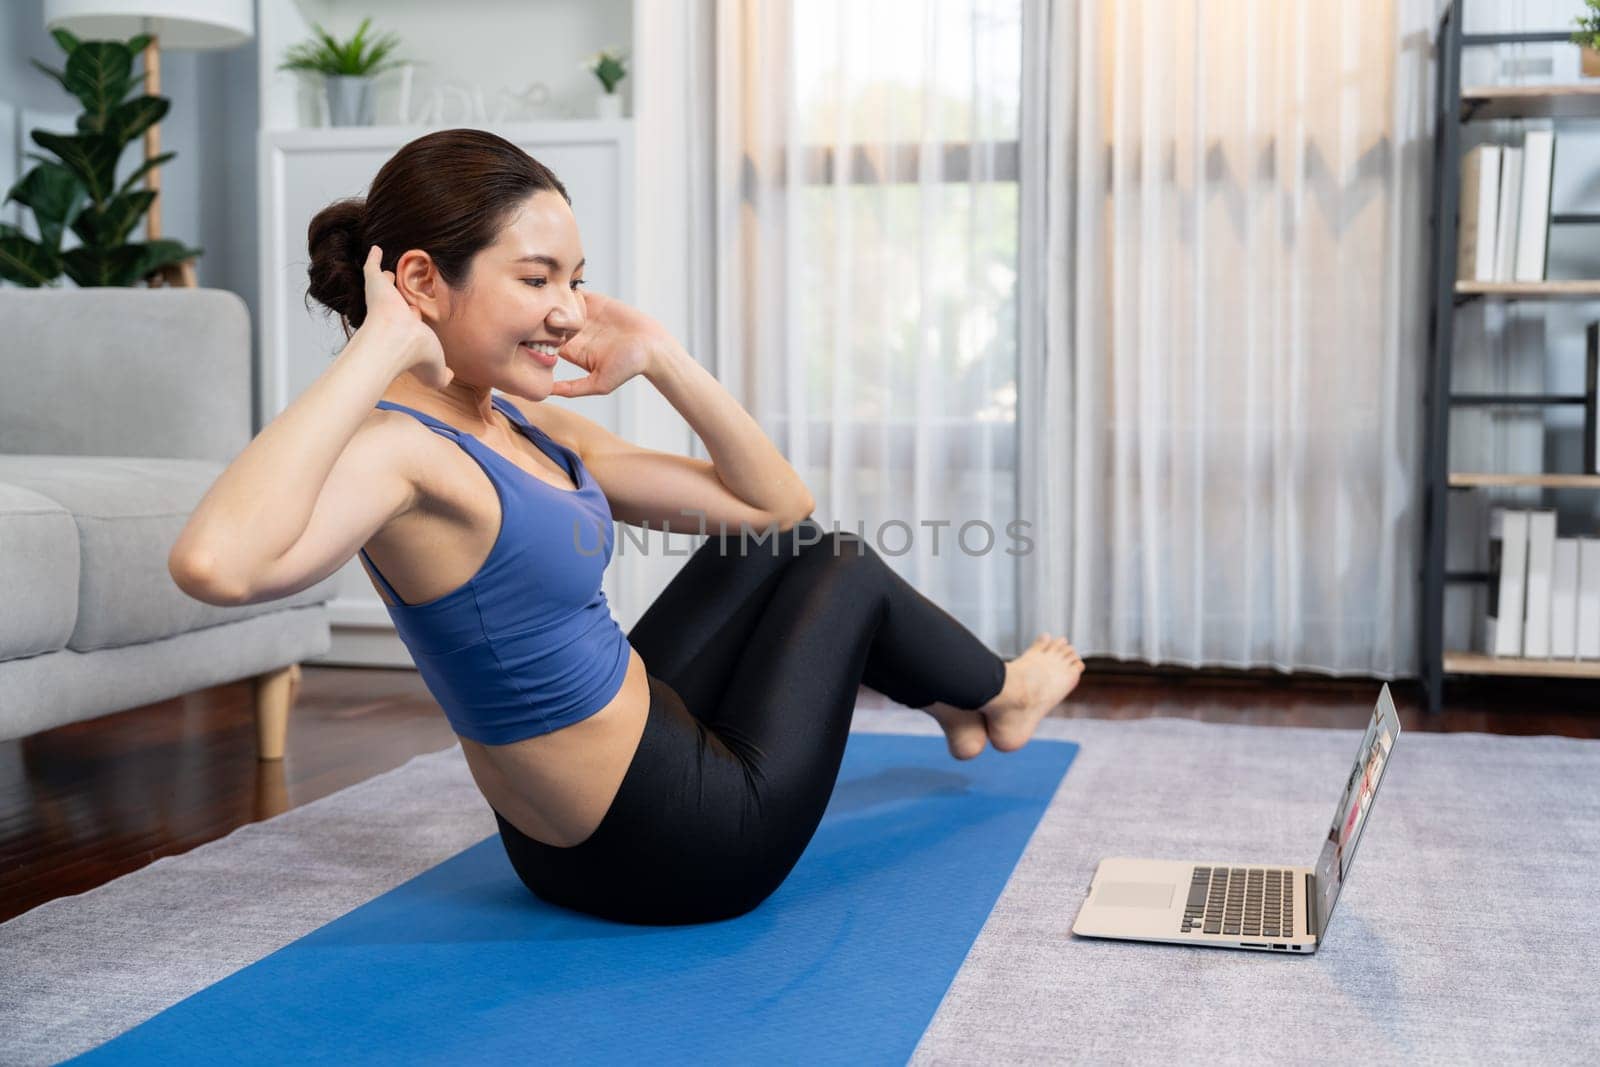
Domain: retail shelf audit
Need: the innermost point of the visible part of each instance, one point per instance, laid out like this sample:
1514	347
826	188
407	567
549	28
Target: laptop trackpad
1135	895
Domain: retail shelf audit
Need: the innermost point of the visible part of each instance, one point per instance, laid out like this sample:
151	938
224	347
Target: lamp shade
177	24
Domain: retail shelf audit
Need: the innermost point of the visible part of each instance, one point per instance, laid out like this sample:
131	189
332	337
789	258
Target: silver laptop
1277	908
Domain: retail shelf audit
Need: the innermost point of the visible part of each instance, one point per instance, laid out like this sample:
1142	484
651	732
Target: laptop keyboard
1247	901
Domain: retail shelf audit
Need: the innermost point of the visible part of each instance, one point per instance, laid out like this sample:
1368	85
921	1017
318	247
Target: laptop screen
1350	818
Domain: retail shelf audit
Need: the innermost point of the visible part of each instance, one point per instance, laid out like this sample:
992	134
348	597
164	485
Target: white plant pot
349	99
608	106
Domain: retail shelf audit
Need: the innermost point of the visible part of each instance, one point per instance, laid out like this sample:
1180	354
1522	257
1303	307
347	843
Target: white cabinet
304	170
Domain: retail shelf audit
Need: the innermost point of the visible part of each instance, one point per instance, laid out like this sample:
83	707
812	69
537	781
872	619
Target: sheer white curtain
1224	300
852	272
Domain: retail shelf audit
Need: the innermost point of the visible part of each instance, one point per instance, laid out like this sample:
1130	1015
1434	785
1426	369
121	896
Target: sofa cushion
128	513
38	573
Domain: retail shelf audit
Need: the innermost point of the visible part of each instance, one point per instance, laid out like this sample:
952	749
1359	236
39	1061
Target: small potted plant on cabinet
347	69
610	66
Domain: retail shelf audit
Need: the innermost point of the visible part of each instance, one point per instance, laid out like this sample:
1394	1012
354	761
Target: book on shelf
1541	550
1508	569
1564	599
1480	200
1544	591
1506	217
1533	217
1589	598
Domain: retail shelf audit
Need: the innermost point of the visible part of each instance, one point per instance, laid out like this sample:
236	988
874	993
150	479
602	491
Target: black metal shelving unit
1452	108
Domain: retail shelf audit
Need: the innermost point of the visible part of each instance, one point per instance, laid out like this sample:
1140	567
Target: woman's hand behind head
390	316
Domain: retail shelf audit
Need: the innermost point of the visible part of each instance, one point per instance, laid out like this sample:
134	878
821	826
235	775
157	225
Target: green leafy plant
357	56
610	66
1588	31
78	190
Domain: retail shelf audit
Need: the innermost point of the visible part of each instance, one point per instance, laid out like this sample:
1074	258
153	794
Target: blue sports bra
528	645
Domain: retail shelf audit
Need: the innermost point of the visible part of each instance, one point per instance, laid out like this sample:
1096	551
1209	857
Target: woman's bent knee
846	547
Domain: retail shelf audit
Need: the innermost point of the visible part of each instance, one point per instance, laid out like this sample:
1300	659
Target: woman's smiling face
523	289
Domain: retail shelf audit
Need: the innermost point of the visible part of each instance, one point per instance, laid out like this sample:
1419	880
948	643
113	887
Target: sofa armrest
161	373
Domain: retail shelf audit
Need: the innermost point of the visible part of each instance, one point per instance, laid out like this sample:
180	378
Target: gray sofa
118	409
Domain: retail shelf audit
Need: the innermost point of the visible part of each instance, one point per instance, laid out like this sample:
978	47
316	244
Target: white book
1589	598
1508	569
1480	199
1564	599
1541	555
1505	237
1533	220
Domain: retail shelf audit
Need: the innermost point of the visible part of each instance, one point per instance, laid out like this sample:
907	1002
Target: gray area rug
1463	935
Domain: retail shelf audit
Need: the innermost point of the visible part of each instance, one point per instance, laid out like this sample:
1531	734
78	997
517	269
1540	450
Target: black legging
754	652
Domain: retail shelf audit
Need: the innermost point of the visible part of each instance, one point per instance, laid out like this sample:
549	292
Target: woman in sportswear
673	774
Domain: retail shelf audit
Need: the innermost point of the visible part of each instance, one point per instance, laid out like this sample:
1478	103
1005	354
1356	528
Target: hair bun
337	243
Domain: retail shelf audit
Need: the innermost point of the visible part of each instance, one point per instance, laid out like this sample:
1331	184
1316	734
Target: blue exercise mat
846	963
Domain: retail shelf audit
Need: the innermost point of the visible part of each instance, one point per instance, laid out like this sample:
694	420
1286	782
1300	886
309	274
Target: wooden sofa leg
275	695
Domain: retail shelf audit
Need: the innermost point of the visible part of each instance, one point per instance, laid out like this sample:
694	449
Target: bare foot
964	731
1036	681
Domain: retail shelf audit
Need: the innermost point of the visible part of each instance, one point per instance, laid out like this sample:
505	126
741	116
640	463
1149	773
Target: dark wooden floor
83	804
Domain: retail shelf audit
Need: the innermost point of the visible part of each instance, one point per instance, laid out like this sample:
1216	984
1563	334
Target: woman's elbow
798	513
197	578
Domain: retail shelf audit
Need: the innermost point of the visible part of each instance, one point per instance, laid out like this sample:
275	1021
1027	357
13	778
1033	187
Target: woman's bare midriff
558	786
555	787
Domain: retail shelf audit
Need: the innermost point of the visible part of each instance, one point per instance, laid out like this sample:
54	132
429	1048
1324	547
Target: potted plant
610	65
78	190
1587	35
347	69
